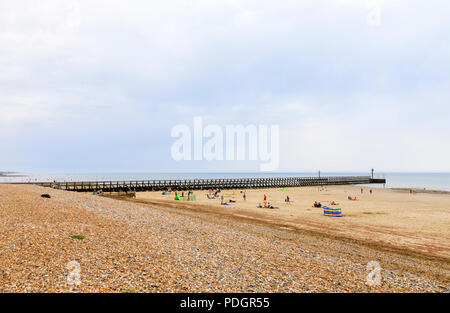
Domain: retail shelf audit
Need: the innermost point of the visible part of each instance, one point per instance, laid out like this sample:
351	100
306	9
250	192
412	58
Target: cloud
105	76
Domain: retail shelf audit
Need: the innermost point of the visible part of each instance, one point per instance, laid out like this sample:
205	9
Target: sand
419	222
130	246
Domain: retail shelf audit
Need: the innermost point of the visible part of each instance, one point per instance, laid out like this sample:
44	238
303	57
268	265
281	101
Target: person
265	198
371	191
288	200
245	196
362	191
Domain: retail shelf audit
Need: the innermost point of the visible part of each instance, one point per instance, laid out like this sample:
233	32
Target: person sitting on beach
333	203
269	206
259	206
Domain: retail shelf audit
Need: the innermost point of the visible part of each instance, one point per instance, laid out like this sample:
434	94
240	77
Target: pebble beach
127	246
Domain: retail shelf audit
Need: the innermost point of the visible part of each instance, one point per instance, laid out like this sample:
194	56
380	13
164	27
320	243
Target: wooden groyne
197	184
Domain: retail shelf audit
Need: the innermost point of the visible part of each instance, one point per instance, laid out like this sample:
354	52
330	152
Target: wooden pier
197	184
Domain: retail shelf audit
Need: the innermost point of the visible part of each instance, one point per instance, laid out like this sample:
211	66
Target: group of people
266	205
319	205
213	194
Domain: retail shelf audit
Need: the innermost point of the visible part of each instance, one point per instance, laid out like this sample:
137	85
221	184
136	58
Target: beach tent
332	212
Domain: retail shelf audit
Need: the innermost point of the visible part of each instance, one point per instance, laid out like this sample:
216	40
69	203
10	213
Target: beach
156	244
418	222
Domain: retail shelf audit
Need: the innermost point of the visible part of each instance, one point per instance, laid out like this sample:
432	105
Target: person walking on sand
265	198
245	196
362	191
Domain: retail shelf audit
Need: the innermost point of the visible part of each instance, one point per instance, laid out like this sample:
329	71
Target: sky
98	86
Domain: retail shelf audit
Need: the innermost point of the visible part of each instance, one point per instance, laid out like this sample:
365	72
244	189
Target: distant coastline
10	174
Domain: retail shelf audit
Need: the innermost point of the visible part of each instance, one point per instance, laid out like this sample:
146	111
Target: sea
431	181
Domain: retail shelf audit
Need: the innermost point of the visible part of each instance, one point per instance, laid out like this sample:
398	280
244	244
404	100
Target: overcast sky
90	86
